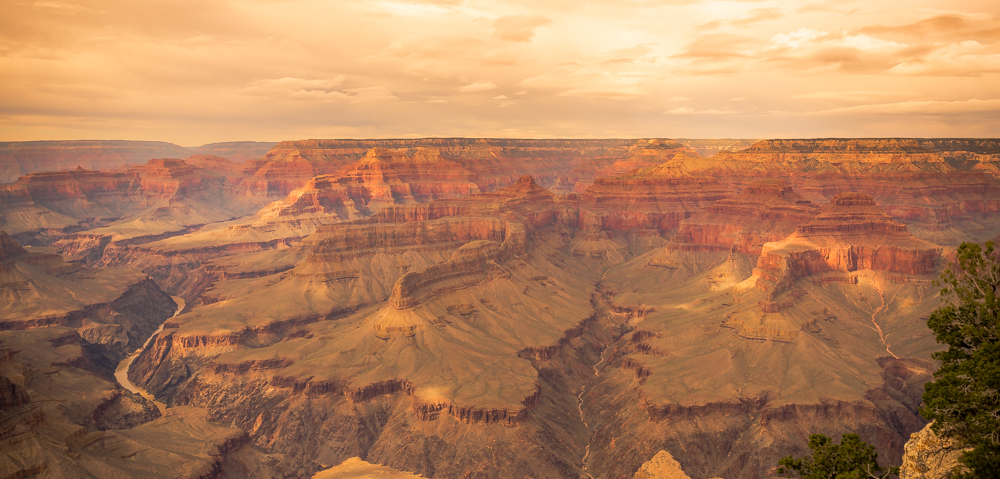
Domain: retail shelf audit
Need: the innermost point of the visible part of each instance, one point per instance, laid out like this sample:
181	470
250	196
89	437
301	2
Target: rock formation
944	189
235	151
359	469
19	158
495	162
642	155
927	456
850	234
661	466
655	198
764	212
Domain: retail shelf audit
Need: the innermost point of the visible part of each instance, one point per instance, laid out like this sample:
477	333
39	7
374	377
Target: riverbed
121	372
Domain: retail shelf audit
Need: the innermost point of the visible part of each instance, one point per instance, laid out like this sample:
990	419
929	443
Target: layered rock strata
946	187
764	212
657	198
19	158
495	162
850	234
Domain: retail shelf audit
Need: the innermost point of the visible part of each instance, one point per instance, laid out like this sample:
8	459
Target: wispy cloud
518	28
989	106
853	95
477	87
322	90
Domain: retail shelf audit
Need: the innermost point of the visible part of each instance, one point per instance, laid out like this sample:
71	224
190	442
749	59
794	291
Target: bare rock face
645	154
764	212
359	469
942	187
850	234
927	456
661	466
657	198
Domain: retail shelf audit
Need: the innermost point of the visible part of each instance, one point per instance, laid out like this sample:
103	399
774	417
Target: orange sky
198	71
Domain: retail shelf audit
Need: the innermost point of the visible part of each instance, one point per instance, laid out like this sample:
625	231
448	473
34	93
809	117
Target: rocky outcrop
656	198
661	466
850	234
928	456
474	262
642	155
165	177
936	183
764	212
710	146
383	177
355	467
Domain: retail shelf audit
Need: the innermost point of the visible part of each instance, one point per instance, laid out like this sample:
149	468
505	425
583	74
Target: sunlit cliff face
209	70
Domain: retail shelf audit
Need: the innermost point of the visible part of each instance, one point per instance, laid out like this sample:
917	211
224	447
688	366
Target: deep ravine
583	419
121	372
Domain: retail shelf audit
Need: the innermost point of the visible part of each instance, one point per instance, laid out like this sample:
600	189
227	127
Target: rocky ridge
19	158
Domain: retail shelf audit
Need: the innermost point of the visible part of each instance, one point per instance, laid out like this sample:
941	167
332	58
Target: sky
198	71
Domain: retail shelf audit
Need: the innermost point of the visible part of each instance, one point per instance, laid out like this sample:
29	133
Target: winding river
121	372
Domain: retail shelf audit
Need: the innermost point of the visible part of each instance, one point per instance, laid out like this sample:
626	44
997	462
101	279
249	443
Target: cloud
813	50
624	92
319	90
796	39
757	15
852	95
715	46
60	7
991	106
477	87
692	111
518	28
949	27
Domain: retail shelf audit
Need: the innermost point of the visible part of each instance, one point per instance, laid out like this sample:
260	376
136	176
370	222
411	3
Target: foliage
963	400
851	459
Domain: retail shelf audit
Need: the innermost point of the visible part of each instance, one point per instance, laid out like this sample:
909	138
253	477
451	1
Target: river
121	372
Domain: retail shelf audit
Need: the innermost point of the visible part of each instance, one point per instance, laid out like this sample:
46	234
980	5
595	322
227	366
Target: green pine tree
964	399
851	459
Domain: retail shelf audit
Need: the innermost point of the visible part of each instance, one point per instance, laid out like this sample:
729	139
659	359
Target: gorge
484	308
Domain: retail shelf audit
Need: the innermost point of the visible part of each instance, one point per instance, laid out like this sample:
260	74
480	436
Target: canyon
452	307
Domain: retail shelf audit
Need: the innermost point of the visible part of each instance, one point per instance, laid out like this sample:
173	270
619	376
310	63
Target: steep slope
655	198
381	178
63	329
765	211
827	335
641	155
